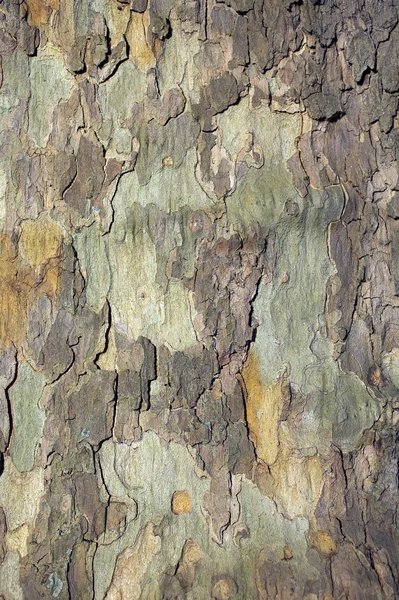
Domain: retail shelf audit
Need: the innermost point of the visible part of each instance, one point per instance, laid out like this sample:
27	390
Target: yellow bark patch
17	540
118	16
39	11
192	552
298	482
224	589
14	289
20	495
40	240
181	502
322	542
295	482
140	50
25	276
108	360
264	407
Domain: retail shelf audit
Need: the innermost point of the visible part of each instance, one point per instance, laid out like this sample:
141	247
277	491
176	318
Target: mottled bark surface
199	299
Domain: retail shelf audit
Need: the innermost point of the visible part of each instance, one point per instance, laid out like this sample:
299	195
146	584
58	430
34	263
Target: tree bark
199	310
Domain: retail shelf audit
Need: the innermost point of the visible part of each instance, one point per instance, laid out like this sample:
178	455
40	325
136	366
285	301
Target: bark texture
199	299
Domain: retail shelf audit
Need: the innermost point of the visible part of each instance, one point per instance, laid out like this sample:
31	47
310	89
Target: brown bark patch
39	11
26	277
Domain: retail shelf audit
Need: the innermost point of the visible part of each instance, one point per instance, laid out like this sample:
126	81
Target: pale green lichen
176	63
51	82
150	472
55	584
390	363
139	303
28	418
9	577
91	250
116	98
291	307
356	409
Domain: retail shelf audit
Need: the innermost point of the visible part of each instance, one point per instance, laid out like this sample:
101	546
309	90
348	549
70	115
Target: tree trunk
199	309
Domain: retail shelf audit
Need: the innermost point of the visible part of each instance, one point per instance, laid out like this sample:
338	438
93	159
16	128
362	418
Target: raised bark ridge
199	314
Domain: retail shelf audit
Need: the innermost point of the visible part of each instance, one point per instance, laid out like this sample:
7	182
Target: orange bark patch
39	11
181	503
140	50
25	276
288	554
264	408
322	542
12	293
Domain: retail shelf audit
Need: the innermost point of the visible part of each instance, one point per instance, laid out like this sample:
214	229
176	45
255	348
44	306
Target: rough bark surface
199	299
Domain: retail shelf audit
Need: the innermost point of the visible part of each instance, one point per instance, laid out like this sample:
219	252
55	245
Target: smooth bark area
199	307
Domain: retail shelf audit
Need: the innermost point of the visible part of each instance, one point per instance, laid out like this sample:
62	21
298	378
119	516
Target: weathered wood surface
199	310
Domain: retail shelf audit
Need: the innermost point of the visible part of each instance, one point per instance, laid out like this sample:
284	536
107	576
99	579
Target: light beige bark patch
132	565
